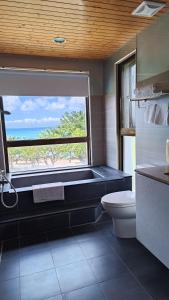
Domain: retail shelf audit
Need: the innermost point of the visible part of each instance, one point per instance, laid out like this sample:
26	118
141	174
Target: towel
150	112
159	118
165	110
162	114
48	192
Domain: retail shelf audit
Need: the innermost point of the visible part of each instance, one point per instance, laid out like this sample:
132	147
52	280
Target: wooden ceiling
93	29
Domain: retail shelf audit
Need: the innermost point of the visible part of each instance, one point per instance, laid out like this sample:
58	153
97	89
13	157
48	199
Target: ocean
25	133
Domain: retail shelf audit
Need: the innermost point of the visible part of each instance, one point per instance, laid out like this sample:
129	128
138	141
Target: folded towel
150	112
48	192
158	119
165	110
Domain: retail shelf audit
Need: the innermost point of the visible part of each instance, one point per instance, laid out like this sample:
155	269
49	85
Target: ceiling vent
148	9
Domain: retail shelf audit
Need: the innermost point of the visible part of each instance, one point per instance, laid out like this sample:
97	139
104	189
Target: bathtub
83	190
22	181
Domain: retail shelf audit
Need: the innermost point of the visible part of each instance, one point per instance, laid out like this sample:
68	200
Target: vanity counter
159	173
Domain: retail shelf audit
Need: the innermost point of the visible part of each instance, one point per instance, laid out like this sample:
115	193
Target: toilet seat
119	199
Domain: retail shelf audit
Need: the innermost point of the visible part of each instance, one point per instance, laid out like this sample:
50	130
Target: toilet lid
119	199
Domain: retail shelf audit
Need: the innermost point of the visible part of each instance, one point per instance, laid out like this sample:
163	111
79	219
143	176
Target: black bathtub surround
83	191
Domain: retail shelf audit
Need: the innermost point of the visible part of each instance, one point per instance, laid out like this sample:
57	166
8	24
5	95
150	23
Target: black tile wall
82	192
118	185
82	216
41	224
98	211
81	206
9	230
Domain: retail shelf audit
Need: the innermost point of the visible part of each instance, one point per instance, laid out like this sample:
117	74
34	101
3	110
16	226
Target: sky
37	111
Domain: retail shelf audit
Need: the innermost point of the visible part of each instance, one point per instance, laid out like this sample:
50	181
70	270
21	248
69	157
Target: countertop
157	173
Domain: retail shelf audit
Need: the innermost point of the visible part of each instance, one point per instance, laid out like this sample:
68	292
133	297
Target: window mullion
53	141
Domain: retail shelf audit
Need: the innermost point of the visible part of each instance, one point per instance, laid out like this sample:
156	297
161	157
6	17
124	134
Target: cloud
51	104
75	103
11	103
32	122
42	101
47	103
76	100
55	106
29	105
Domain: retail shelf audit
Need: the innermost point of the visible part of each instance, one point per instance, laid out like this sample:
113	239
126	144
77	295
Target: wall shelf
149	98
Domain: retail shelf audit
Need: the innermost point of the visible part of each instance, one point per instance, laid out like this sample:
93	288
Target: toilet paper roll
167	151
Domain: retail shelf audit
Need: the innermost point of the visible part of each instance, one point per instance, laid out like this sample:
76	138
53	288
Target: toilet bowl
121	206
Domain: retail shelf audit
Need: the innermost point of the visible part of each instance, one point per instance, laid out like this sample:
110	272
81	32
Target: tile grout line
132	274
129	270
98	283
50	250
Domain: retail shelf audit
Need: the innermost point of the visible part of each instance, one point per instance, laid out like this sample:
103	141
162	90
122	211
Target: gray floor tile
66	254
9	289
95	247
92	292
122	287
9	268
58	297
107	267
39	286
75	276
35	261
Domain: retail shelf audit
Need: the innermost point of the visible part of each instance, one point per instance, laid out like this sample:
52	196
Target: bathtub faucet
4	180
2	177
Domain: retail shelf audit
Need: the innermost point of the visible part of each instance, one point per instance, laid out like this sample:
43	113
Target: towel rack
149	98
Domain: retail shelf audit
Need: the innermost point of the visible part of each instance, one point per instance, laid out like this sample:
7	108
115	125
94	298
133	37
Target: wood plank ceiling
93	29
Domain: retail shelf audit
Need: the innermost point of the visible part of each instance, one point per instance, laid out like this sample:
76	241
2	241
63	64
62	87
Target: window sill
127	132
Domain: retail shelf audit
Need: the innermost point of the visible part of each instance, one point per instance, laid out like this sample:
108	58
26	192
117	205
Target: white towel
149	115
48	192
158	119
165	110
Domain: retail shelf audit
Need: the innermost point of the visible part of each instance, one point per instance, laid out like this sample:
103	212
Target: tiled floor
87	263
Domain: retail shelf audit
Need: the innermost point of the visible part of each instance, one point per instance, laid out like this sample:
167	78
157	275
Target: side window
127	118
128	85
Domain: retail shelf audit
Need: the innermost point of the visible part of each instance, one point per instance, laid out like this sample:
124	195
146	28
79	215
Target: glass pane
48	156
128	88
132	105
34	117
129	157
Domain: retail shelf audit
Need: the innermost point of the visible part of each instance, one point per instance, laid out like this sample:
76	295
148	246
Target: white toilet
121	206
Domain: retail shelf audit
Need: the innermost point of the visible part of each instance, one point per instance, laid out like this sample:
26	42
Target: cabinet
152	216
153	49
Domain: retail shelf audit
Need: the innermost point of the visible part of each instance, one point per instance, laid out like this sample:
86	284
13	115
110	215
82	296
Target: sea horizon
29	133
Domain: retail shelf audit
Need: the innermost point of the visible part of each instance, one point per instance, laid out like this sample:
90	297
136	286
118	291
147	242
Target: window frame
41	142
121	131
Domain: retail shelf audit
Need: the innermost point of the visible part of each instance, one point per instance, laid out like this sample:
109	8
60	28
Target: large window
46	132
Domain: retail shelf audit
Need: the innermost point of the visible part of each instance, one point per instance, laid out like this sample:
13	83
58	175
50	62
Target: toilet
121	206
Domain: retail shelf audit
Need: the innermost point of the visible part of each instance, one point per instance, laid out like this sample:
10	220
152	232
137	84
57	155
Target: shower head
4	112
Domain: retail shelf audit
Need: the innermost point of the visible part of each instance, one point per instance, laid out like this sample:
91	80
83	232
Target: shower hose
3	181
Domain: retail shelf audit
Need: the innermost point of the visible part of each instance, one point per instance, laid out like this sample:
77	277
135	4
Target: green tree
71	125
